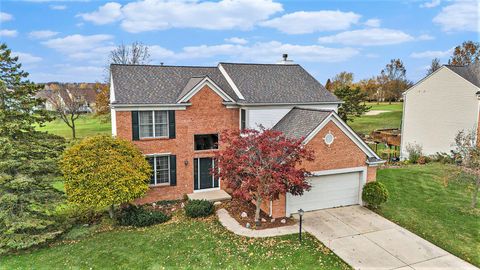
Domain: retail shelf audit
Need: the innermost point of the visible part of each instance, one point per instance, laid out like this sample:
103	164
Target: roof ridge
260	64
148	65
312	109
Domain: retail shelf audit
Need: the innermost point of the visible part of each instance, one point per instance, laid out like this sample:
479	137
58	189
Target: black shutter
135	133
173	170
242	119
171	124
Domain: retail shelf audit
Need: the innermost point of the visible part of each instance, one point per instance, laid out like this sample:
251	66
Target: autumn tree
262	164
465	54
328	85
135	54
102	101
341	80
467	154
68	105
434	65
353	105
393	81
369	87
104	171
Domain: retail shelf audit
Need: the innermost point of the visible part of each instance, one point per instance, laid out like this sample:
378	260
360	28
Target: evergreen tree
352	106
20	110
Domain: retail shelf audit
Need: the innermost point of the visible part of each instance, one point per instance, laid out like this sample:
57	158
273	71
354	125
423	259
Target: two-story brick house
175	114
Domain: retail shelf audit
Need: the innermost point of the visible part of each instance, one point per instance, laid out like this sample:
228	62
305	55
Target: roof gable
306	123
196	84
470	73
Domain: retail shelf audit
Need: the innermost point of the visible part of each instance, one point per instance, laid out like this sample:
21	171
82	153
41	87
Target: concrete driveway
366	240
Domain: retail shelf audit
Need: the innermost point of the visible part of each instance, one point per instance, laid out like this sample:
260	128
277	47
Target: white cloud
432	54
425	37
41	34
368	37
93	48
8	33
373	23
5	17
26	58
431	4
69	73
58	7
461	15
149	15
267	52
303	22
108	13
236	40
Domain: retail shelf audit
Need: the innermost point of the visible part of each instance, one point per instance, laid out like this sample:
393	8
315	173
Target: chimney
285	59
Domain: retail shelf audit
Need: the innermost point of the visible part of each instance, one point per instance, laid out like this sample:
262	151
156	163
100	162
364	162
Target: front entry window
160	170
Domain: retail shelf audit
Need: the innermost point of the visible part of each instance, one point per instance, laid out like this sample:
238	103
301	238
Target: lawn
425	201
390	119
86	125
180	243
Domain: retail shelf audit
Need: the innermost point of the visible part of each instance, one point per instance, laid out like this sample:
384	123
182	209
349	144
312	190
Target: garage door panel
326	192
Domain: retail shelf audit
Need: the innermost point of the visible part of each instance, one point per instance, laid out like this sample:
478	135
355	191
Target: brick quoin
206	115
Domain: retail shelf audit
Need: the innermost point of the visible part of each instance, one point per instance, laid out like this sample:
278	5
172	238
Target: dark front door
202	177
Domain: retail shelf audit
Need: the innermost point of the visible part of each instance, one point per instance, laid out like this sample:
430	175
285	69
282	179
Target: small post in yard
300	213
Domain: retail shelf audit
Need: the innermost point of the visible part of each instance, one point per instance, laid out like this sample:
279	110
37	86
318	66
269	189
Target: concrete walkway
210	195
232	225
366	240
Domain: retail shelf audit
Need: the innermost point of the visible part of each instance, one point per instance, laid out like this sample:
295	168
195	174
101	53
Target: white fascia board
286	104
230	82
345	129
208	82
112	89
150	107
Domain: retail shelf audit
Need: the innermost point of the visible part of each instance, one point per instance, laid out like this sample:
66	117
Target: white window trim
153	125
154	156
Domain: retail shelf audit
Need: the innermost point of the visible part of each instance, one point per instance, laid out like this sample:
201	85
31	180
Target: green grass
433	201
395	106
86	125
180	243
368	123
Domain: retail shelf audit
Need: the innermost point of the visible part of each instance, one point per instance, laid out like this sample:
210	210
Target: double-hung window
153	124
160	170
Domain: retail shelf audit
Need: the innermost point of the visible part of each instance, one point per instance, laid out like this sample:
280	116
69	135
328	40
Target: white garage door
327	191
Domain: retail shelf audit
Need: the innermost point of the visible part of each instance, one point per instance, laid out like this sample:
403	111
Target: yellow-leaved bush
104	171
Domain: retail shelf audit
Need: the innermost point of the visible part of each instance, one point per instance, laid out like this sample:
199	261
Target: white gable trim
345	129
230	82
208	82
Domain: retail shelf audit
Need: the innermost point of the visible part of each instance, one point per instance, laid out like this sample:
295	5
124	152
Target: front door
201	174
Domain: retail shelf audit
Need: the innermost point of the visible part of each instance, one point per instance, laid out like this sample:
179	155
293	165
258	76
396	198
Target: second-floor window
206	141
153	124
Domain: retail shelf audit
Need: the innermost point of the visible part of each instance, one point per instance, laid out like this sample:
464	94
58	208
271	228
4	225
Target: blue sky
70	40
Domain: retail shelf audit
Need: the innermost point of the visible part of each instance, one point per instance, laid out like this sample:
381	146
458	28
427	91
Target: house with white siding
439	106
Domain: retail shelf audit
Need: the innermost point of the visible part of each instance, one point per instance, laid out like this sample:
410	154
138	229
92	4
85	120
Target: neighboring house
175	114
439	106
85	93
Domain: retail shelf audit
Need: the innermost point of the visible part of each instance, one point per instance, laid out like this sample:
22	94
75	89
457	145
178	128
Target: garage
327	191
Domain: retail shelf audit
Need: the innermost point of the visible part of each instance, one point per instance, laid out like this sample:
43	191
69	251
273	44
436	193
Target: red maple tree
262	164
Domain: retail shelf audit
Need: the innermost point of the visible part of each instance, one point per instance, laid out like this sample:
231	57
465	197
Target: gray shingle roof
470	73
277	83
299	123
190	85
146	84
258	83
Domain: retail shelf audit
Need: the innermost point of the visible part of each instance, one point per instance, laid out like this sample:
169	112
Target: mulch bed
167	207
235	207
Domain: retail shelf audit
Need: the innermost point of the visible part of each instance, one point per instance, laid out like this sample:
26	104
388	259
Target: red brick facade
206	115
342	153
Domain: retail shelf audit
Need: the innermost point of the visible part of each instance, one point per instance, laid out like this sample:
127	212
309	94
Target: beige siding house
439	106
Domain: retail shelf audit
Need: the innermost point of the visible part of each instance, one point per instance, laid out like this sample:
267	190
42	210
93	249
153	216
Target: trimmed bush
374	194
198	208
139	216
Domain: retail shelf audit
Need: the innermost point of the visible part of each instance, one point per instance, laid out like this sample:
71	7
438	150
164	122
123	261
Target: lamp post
300	213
